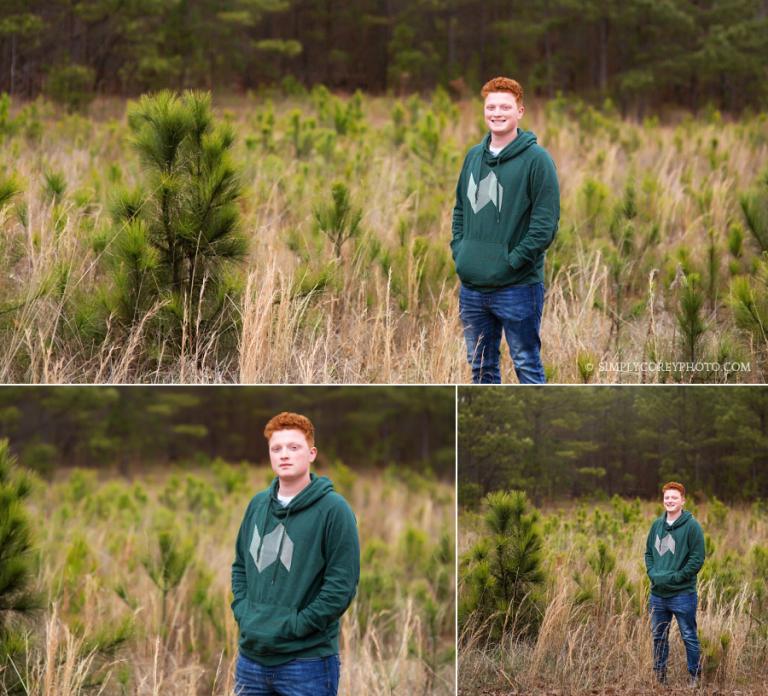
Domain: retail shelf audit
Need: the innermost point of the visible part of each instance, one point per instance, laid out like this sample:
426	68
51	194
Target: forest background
640	54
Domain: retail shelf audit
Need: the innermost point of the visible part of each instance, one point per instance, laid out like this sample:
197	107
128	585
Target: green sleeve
457	222
239	583
545	213
649	552
695	556
342	572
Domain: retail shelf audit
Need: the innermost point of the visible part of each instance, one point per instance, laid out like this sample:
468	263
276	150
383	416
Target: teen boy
674	555
296	568
506	215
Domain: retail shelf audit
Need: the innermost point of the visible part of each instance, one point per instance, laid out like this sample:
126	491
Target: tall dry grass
604	647
386	311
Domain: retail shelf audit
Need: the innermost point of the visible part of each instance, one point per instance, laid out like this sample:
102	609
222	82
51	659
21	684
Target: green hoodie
506	214
674	554
295	572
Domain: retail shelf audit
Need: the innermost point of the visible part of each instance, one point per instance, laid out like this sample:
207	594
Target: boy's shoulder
474	151
539	152
333	500
258	499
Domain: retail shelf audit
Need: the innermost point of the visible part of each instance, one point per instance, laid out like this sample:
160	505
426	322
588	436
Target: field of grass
594	636
109	628
658	257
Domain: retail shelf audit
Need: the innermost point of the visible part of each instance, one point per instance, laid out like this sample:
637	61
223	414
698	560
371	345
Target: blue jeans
316	676
683	608
517	311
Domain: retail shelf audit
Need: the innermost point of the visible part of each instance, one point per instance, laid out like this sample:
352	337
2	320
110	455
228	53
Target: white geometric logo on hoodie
267	555
665	544
486	192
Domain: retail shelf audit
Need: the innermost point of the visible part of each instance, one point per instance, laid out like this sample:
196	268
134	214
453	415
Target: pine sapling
17	597
689	318
339	220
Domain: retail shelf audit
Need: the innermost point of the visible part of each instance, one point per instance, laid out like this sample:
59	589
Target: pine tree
502	574
689	317
180	234
17	598
339	220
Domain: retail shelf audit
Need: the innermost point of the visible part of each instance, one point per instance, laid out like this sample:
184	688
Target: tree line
683	52
560	442
131	427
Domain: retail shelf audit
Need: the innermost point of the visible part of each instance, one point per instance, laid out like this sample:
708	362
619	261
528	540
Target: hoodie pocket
483	264
268	629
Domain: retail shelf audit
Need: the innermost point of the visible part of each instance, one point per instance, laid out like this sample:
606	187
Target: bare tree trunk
13	62
603	29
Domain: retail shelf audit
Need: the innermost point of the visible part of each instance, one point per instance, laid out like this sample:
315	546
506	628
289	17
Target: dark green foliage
502	574
17	596
629	441
71	86
54	186
638	55
176	237
113	427
10	187
754	206
749	301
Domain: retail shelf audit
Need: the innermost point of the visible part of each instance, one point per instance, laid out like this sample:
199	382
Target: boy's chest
286	544
498	187
670	547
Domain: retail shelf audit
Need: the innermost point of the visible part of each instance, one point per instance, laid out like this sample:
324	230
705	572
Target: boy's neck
289	489
503	141
671	519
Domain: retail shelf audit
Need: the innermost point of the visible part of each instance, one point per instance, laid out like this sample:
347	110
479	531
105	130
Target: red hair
291	421
674	486
503	84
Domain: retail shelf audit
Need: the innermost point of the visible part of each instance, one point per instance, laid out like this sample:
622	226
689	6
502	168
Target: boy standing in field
296	568
506	215
674	555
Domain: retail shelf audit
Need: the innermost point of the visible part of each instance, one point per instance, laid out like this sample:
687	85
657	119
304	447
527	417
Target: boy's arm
545	213
649	552
695	556
342	573
239	583
457	222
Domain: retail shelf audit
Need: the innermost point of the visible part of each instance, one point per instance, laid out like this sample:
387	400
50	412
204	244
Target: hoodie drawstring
280	545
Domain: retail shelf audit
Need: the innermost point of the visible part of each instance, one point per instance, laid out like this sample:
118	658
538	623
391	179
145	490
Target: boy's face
502	113
673	501
290	454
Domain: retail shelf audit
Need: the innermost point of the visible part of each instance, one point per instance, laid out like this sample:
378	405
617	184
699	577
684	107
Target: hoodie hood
520	144
319	486
684	518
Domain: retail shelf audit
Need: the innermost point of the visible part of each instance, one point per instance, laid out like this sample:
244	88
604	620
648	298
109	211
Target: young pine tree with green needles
689	319
502	574
339	220
17	598
168	561
179	233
